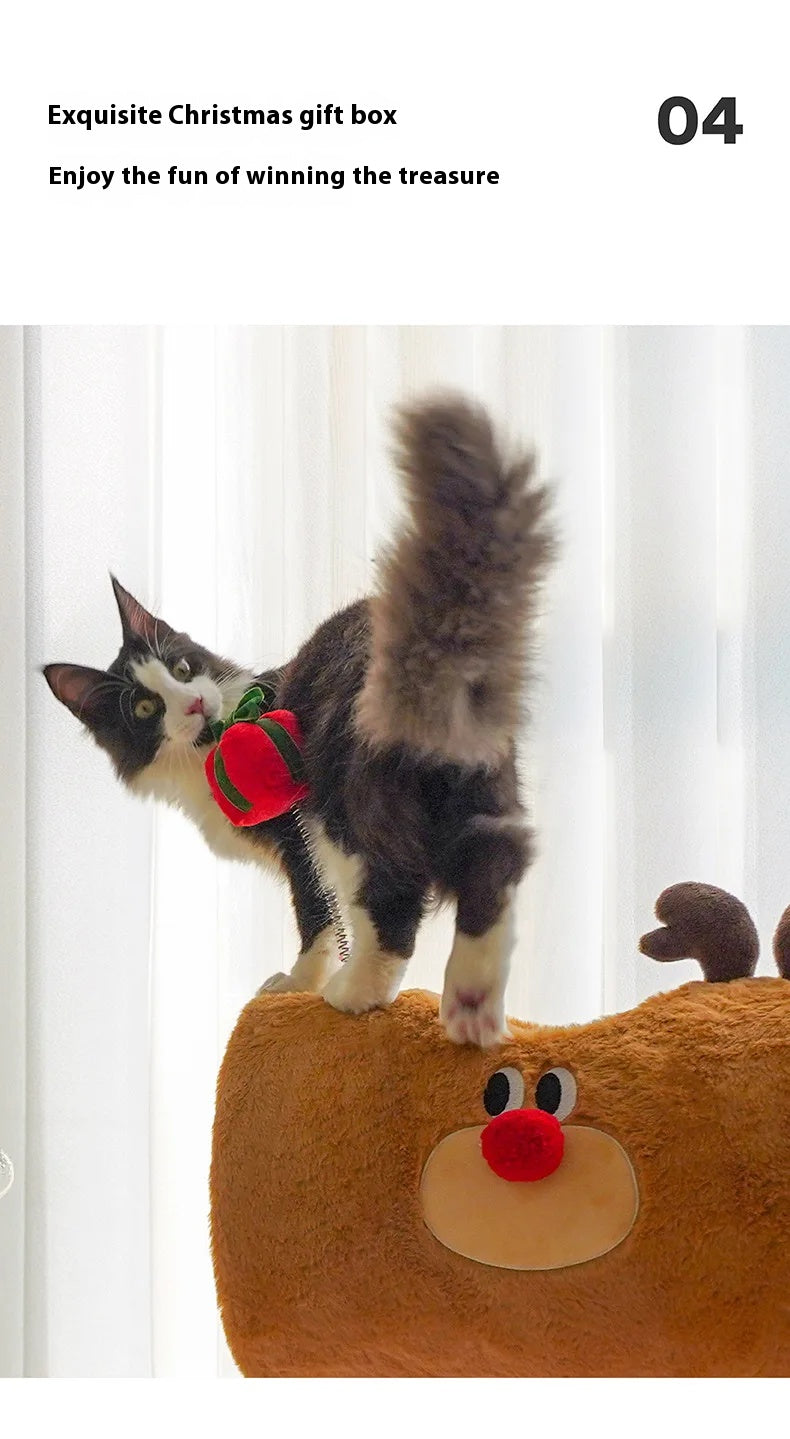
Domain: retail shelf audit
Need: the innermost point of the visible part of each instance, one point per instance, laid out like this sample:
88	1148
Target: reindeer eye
555	1092
505	1090
182	669
145	708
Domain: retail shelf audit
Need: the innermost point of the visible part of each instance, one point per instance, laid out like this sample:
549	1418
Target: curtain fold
88	408
239	481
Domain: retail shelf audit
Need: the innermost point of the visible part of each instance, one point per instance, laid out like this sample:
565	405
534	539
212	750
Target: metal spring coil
330	898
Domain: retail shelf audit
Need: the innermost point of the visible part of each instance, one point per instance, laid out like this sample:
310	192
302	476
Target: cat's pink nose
196	707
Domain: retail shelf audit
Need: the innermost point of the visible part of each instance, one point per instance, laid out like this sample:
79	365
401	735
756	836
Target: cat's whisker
157	647
126	695
108	684
230	672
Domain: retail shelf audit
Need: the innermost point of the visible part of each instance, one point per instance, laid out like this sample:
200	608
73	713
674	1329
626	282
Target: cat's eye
182	669
145	708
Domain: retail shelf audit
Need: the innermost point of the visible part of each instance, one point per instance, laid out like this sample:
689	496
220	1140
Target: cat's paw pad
358	990
473	1016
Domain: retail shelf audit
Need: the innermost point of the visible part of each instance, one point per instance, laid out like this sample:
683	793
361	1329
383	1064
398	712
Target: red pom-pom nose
523	1144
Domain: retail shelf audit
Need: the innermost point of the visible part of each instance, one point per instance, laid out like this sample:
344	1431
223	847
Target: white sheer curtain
238	479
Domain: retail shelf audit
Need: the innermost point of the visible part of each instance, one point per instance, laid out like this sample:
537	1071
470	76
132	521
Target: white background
595	219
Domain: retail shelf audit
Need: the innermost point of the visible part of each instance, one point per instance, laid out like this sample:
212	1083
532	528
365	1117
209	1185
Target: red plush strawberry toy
255	771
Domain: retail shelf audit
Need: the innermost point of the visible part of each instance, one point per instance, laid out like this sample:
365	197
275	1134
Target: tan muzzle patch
581	1211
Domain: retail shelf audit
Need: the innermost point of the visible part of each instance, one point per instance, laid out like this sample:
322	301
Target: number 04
720	120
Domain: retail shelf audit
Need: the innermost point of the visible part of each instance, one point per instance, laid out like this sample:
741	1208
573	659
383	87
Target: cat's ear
136	621
82	690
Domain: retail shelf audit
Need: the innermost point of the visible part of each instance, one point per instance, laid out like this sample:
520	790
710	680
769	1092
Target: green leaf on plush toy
228	788
285	746
253	703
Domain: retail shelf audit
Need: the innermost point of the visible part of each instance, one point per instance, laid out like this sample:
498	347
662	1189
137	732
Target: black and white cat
409	703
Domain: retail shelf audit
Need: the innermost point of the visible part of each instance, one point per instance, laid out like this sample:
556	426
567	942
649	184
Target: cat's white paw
472	1008
473	1016
311	971
364	983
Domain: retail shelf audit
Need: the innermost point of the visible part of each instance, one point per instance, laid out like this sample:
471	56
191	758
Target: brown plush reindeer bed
604	1199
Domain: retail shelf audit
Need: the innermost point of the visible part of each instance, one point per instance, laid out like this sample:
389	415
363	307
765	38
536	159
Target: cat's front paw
363	984
473	1016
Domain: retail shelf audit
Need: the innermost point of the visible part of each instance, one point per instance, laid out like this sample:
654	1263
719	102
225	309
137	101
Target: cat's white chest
187	789
222	837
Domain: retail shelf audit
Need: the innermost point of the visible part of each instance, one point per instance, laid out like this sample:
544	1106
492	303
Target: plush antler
705	923
782	945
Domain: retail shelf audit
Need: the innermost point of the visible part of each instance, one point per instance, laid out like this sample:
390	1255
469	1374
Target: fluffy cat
409	703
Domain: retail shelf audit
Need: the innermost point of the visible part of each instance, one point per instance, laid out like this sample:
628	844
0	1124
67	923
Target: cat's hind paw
364	983
310	973
279	984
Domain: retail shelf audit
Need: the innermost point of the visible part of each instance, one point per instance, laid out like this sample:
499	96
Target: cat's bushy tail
456	590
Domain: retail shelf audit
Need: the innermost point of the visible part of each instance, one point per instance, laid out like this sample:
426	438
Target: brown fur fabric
705	923
456	591
325	1266
782	944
